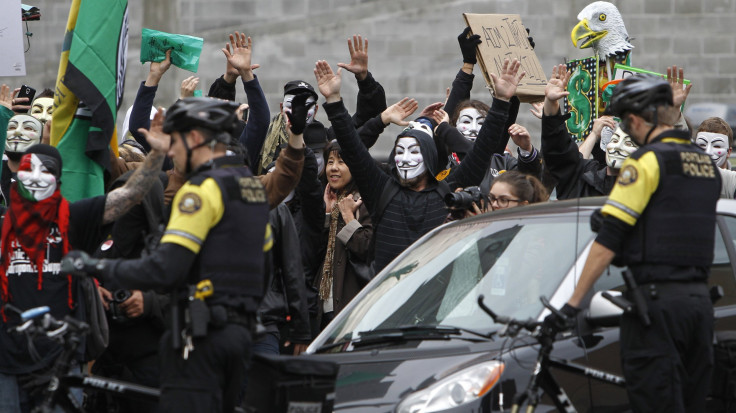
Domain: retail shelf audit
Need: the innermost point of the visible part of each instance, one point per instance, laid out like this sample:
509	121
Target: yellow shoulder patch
628	175
190	203
442	175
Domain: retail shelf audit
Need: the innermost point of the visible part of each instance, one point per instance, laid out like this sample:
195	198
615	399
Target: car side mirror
602	312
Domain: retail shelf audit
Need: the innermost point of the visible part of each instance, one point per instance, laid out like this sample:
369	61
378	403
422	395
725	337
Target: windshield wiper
405	333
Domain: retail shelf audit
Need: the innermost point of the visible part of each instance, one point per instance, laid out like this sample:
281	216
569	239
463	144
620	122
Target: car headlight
454	390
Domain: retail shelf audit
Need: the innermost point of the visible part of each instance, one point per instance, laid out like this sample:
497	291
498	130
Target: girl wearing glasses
512	189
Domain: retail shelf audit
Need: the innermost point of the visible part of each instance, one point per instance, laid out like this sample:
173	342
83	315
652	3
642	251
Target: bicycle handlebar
39	320
513	326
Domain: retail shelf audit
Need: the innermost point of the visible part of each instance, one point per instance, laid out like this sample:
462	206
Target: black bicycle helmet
639	93
215	115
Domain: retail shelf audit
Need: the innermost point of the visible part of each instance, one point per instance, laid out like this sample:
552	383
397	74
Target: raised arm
367	175
240	59
463	82
140	115
120	200
473	168
371	96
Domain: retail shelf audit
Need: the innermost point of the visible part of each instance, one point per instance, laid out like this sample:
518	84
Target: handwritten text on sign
504	37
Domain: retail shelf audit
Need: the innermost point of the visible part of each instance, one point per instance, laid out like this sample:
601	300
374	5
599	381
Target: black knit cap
50	157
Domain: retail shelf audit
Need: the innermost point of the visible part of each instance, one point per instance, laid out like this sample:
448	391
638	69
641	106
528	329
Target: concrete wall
413	47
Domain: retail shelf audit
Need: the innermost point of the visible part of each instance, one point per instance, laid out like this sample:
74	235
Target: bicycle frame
543	378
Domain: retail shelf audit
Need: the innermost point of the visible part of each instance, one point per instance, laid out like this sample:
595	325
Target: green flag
89	90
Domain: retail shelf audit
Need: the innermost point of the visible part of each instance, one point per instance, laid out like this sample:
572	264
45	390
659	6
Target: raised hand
599	123
430	109
157	69
468	46
440	116
20	105
399	111
521	137
358	48
188	86
328	82
155	135
506	83
555	89
5	98
536	109
679	90
297	116
238	54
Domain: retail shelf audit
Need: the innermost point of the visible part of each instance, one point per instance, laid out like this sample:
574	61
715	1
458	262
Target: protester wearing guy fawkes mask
409	202
42	107
618	148
23	131
715	137
455	135
276	135
576	176
38	228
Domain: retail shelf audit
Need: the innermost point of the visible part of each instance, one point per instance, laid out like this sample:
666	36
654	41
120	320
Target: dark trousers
210	379
668	365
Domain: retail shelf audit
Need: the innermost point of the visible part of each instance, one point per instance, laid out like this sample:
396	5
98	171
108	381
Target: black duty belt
221	315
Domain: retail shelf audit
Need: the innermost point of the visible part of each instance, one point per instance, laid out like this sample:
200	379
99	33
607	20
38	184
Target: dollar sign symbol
580	108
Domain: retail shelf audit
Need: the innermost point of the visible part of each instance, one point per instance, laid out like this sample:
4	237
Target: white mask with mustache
715	145
408	158
620	147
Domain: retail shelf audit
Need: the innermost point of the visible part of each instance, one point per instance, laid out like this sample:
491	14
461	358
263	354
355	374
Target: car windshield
511	261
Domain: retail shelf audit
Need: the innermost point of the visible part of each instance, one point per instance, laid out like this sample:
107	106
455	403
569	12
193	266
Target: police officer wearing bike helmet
219	231
659	221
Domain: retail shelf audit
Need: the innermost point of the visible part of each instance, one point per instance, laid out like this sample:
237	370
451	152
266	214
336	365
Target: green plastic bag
185	49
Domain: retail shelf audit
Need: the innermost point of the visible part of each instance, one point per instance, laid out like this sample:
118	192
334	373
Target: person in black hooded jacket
410	203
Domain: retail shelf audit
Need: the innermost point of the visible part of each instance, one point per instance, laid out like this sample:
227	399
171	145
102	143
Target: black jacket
576	177
286	292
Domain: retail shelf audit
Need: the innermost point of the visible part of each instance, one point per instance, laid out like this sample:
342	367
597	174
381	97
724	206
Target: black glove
530	38
468	45
80	263
298	114
553	323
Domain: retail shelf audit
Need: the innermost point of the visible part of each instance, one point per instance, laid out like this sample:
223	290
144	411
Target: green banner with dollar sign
582	102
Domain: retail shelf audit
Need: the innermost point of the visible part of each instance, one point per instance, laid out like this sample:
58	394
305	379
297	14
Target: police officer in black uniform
218	231
659	220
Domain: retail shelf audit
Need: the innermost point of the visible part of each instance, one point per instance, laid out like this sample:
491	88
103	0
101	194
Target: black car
415	340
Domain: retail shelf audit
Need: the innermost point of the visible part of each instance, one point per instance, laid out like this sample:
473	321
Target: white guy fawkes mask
310	100
409	159
715	145
42	108
469	121
23	132
619	148
422	127
36	179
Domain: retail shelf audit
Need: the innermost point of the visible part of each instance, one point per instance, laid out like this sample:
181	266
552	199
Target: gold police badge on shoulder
627	175
190	203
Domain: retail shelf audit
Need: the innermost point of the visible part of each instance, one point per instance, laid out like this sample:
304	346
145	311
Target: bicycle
70	334
541	376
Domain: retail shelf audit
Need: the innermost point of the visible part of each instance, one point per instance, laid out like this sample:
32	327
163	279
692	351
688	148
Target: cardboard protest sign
504	37
13	62
185	50
582	102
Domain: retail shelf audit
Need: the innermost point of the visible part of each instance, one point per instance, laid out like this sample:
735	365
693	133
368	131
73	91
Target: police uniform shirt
195	210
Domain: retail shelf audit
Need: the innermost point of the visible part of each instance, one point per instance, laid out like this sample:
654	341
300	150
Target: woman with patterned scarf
344	271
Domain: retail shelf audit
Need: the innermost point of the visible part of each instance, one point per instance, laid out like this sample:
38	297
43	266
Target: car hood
376	380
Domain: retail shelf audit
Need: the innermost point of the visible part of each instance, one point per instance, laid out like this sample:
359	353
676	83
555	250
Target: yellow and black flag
89	91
